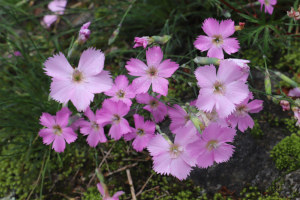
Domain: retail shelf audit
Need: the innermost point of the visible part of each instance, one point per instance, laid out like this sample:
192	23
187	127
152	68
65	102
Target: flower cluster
203	130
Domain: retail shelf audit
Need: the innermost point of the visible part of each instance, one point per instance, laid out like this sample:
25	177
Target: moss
286	153
256	130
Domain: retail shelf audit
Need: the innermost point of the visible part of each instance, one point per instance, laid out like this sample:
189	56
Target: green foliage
286	153
252	193
256	130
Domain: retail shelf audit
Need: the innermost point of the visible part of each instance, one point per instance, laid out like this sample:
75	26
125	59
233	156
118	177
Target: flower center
57	130
153	103
217	40
267	2
140	131
152	71
77	76
175	150
95	126
116	118
120	94
219	88
212	144
241	110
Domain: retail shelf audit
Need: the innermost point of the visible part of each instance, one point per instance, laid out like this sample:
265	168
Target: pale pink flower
295	92
241	118
285	105
121	90
179	118
268	5
294	14
113	113
84	32
142	133
244	68
221	91
157	108
296	111
105	195
78	84
172	158
56	6
212	145
57	130
92	128
217	38
154	73
141	41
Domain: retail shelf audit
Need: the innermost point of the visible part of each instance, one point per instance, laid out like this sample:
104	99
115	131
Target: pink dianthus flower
217	38
142	133
113	113
57	130
78	84
295	92
212	145
179	118
268	5
221	91
84	32
56	6
154	73
157	108
172	158
285	105
105	195
92	128
141	41
241	118
121	90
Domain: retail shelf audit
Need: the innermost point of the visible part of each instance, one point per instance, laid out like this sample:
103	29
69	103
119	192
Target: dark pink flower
142	133
105	195
92	128
154	73
172	158
141	41
217	38
241	118
84	32
221	91
157	108
268	5
212	145
57	130
113	113
296	111
121	90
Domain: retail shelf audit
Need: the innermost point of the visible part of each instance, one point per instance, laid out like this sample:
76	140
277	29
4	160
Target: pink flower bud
141	41
285	105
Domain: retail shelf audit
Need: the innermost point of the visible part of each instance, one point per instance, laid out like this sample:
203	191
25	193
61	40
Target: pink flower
211	146
121	91
93	129
84	32
141	41
244	68
241	118
113	113
221	91
142	133
296	111
157	108
172	158
155	72
295	92
57	130
294	14
80	84
105	195
179	118
268	5
56	6
285	105
218	38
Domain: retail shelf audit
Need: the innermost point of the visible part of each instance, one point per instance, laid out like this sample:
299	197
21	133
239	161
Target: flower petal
58	67
59	144
136	67
215	52
203	43
91	62
160	85
230	45
211	27
141	85
47	120
167	68
154	56
227	28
